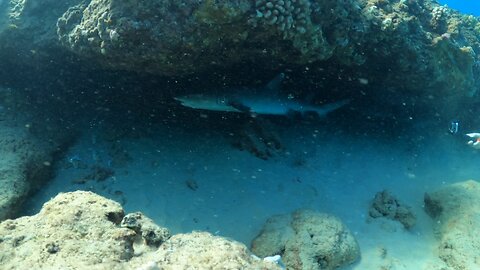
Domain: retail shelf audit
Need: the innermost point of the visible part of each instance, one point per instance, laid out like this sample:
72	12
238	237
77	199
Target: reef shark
260	101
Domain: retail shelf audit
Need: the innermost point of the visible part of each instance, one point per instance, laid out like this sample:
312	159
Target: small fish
453	128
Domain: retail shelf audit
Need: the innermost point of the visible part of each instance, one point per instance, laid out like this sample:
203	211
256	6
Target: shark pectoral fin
327	108
276	82
239	106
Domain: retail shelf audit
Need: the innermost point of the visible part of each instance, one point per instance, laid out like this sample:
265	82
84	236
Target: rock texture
258	137
417	45
79	223
80	230
455	210
307	240
18	153
200	250
24	164
386	205
26	159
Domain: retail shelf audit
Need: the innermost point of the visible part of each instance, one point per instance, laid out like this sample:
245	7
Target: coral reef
455	210
307	240
80	230
386	205
152	36
289	16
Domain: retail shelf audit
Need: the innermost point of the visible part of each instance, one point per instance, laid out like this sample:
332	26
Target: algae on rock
80	230
307	240
455	210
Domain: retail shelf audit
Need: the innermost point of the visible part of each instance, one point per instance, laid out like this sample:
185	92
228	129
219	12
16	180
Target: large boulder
307	240
455	210
82	230
80	223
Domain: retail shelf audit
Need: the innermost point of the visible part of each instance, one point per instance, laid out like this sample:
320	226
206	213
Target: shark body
263	101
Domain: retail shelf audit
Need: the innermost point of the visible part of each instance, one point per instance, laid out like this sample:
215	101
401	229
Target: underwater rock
29	146
201	250
258	137
307	240
415	45
151	233
168	37
386	205
73	230
289	16
28	31
25	164
455	210
80	230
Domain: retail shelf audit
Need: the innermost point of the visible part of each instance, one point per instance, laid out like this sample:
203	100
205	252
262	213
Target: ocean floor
199	181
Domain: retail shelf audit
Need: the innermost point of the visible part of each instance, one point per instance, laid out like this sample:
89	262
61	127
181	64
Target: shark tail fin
323	110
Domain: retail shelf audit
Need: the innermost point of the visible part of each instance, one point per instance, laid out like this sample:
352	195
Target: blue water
465	6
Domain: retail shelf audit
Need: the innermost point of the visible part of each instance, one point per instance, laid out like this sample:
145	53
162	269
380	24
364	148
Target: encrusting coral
289	16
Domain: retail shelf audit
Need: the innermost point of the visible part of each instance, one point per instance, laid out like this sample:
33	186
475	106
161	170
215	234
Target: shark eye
221	100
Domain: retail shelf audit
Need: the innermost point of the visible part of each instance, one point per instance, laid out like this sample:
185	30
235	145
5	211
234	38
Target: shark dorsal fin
275	83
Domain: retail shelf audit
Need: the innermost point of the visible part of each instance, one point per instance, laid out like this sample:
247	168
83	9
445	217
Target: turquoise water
464	6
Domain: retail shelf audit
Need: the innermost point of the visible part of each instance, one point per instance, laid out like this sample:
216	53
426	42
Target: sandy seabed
201	182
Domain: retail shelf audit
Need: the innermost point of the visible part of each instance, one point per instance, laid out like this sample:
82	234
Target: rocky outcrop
16	153
258	137
386	205
81	230
455	210
25	163
26	159
28	32
307	240
417	45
